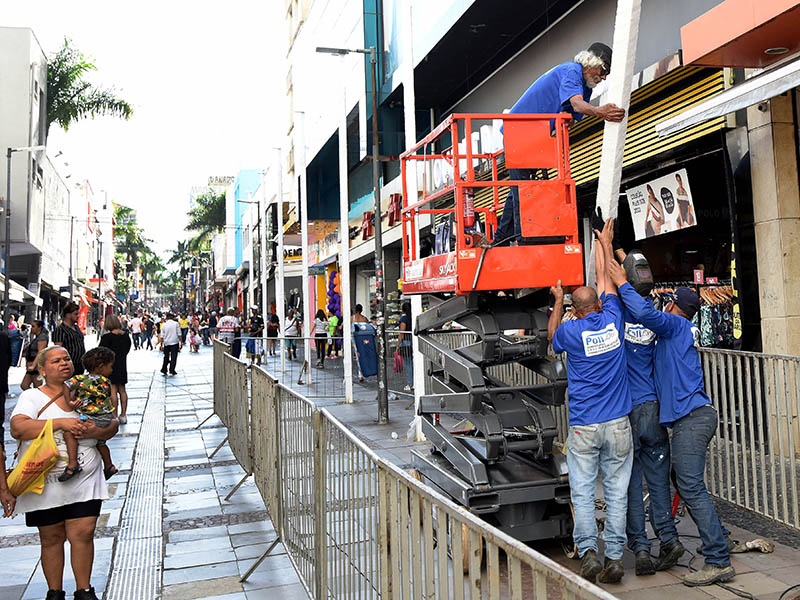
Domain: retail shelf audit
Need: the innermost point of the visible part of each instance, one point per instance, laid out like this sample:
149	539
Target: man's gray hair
588	60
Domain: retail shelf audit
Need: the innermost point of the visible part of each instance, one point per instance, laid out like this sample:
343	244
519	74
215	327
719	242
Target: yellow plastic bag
32	468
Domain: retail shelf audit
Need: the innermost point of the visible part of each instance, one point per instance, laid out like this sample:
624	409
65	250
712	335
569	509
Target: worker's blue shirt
640	347
598	383
552	91
677	369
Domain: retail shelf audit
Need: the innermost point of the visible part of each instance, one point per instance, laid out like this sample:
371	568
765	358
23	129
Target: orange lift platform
502	464
549	248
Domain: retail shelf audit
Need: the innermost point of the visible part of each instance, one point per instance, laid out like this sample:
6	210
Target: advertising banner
662	205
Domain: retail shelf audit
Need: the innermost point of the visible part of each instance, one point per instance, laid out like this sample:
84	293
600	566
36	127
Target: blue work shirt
552	91
598	383
678	372
640	347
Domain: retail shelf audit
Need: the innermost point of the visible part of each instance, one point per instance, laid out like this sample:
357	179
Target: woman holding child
68	510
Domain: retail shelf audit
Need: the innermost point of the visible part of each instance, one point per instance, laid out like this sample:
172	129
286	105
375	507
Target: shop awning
756	89
328	261
17	292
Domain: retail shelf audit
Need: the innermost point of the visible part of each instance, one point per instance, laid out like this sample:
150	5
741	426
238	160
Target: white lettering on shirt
636	333
602	341
696	336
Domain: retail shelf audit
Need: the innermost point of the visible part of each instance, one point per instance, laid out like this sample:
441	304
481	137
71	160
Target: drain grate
136	573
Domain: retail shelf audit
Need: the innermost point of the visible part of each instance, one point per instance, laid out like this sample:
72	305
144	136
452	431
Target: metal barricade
238	411
220	402
754	458
264	439
298	449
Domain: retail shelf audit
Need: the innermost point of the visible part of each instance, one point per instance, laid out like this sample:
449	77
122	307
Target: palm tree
70	97
208	215
182	255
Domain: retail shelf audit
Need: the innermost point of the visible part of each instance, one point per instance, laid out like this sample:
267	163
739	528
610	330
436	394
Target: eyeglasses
604	70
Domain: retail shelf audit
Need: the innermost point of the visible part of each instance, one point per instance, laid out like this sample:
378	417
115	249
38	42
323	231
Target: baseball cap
688	301
601	51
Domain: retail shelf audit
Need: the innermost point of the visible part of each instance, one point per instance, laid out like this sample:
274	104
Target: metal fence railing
220	402
238	408
357	526
755	457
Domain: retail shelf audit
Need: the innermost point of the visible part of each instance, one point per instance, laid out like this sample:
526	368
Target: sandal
69	473
110	472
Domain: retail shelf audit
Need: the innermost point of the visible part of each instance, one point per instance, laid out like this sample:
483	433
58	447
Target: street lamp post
380	292
6	300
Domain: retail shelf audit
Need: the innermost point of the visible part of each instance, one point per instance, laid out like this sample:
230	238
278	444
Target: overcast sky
206	80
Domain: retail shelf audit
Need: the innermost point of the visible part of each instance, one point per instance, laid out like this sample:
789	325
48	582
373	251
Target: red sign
698	276
712	279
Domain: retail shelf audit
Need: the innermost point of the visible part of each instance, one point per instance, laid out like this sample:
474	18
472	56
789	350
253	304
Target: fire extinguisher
469	209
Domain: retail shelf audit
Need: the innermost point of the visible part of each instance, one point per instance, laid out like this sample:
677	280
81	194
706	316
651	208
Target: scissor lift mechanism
503	465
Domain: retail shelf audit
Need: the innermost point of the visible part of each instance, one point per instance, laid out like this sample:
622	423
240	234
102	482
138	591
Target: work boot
669	554
612	572
709	575
644	563
590	565
85	594
56	595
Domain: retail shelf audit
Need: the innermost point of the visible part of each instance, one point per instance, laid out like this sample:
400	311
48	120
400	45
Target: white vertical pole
280	293
626	34
344	254
409	103
263	204
308	315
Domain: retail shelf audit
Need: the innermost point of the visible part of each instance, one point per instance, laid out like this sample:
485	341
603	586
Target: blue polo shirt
640	348
677	369
596	374
552	91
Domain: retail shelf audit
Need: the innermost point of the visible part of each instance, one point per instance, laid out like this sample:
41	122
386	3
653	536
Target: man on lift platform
564	88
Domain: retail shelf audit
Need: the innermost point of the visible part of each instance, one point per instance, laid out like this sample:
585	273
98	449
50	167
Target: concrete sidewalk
171	502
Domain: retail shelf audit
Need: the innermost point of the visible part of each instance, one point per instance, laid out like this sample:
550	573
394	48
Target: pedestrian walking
227	325
404	347
273	330
147	331
170	342
320	336
204	333
117	340
184	325
63	511
69	335
39	340
135	326
255	327
212	325
599	440
290	330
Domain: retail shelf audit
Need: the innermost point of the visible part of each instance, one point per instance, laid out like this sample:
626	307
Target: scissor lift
502	464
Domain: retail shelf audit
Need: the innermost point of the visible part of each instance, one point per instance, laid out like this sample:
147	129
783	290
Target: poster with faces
662	205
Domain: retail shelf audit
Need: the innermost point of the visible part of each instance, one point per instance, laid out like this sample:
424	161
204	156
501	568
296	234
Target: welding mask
638	272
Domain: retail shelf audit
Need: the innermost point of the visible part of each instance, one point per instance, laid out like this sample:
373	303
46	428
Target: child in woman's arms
91	397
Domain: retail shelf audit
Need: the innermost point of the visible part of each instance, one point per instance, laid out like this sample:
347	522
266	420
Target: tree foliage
208	215
70	97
